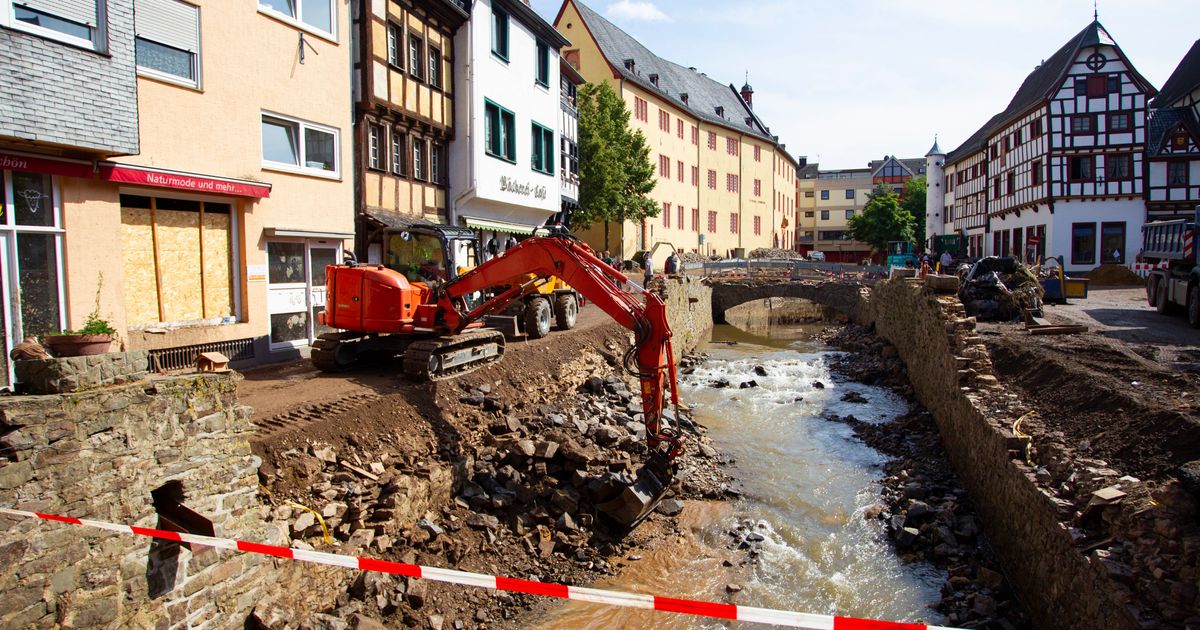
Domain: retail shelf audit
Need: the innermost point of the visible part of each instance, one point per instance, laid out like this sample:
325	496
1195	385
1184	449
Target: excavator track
451	356
335	352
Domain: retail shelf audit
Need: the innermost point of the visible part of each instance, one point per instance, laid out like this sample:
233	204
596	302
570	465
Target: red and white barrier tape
545	589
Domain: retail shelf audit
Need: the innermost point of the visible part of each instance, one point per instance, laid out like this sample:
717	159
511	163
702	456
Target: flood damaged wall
689	310
951	374
100	455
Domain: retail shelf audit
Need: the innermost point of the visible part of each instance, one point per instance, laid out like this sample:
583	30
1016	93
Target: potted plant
95	337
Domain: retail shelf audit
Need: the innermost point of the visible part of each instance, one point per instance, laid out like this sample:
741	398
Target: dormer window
683	97
721	111
654	80
749	121
629	65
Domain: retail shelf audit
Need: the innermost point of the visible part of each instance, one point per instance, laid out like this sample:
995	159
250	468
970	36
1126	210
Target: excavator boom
650	358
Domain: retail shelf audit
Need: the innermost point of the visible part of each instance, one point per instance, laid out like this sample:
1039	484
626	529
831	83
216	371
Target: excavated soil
1108	400
503	467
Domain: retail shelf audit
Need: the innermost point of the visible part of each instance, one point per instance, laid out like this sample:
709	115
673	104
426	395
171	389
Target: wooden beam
162	317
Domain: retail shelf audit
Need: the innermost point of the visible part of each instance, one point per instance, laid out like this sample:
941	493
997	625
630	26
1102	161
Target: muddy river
806	482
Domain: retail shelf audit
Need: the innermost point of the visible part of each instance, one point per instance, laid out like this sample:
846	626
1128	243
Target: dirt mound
773	252
1113	276
1113	404
497	472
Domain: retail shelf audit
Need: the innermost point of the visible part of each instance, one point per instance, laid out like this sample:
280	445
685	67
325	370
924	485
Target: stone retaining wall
99	455
71	374
689	310
949	369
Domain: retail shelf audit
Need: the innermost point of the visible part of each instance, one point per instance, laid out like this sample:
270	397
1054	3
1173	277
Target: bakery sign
509	184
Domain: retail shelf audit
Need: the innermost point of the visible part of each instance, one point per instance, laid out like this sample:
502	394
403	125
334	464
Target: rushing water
806	481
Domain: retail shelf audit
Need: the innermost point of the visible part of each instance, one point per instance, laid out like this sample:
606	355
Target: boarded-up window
177	259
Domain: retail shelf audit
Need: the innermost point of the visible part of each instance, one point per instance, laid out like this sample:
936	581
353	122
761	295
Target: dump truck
1175	284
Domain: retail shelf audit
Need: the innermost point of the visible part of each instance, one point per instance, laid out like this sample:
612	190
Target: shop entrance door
296	291
31	285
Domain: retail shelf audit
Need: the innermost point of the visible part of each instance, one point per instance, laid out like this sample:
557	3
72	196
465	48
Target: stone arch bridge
849	299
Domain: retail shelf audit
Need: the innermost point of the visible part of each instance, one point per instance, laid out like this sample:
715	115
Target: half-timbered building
404	113
1173	143
1059	171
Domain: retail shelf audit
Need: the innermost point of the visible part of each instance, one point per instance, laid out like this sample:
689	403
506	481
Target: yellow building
829	198
725	184
216	234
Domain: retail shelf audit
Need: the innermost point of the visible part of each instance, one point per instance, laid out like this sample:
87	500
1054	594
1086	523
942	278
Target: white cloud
637	11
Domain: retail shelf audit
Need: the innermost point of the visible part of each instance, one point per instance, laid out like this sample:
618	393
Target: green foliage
615	172
93	324
882	220
913	200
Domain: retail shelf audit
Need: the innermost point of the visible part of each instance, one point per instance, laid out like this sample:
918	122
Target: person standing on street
946	261
648	263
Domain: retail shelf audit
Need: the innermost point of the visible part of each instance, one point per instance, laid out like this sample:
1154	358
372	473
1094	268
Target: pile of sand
1113	276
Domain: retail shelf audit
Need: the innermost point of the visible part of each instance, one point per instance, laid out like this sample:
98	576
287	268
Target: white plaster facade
498	196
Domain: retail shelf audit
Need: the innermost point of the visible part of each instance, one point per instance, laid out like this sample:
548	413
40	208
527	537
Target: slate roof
1041	84
1162	122
1183	81
808	171
705	95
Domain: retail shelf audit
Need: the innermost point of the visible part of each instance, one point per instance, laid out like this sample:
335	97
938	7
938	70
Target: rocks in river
760	370
670	507
818	385
719	383
854	397
748	384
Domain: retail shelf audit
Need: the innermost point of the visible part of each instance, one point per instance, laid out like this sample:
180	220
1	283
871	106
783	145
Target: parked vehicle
816	256
1176	286
900	254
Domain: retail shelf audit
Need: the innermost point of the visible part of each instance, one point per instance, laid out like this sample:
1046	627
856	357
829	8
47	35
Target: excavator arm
650	358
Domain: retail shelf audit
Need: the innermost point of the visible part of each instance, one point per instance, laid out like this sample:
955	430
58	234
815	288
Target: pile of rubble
523	500
1000	289
694	257
773	253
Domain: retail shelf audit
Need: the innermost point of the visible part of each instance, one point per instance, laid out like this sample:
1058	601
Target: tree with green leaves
913	200
616	176
883	219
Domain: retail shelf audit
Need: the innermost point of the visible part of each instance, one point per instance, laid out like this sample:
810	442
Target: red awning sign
182	181
17	162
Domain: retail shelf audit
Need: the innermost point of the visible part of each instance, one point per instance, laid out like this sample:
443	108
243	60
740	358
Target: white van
816	256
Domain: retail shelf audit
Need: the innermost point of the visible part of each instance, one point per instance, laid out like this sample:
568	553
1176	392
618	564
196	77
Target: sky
845	82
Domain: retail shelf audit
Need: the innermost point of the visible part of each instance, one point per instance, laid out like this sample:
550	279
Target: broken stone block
670	507
302	524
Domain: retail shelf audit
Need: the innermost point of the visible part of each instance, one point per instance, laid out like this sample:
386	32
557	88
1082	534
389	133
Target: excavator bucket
636	501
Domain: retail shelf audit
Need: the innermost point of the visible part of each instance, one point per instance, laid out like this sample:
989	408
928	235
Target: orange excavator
440	335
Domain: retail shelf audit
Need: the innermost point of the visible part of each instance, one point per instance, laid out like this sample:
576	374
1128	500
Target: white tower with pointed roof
935	192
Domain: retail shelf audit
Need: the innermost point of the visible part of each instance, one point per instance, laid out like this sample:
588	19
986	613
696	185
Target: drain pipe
452	211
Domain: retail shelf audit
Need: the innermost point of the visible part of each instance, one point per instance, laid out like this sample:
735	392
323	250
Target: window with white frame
398	153
291	144
374	134
167	40
434	78
416	49
436	158
418	161
74	22
316	15
395	37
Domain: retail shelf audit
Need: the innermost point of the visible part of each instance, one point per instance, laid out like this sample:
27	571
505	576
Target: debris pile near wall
948	365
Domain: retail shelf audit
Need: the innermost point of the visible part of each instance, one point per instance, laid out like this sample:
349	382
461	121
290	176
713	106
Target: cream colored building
215	236
829	198
725	184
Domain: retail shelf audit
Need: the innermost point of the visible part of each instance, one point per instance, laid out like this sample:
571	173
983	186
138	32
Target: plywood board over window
177	259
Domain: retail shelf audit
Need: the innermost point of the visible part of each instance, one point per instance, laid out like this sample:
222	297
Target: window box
297	146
